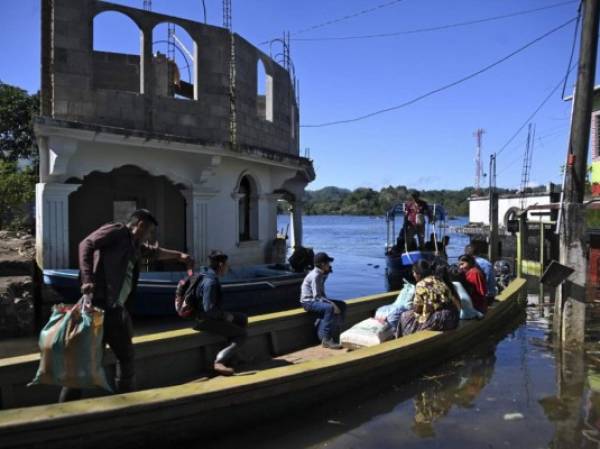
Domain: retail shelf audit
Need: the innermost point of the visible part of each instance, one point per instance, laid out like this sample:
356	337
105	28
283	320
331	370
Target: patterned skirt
441	320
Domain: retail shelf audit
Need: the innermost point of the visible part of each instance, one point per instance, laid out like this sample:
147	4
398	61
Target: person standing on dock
212	318
313	299
476	281
109	267
415	212
488	271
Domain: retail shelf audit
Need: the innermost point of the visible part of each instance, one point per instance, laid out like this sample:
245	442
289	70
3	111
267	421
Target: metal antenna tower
227	14
227	23
148	5
478	134
527	158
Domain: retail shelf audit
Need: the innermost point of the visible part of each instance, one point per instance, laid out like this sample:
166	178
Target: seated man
212	318
313	299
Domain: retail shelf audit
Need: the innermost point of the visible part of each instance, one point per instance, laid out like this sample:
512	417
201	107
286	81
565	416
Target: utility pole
570	307
493	195
478	167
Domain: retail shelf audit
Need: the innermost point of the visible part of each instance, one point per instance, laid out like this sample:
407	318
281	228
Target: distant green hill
366	201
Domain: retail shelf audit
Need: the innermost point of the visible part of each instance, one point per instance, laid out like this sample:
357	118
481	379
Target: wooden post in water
493	245
542	255
521	242
570	306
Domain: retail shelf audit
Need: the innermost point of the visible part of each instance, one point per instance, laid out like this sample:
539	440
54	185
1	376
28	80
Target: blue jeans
330	324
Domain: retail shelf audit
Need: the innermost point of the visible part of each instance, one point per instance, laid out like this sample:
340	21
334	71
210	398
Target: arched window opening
264	93
174	55
116	56
248	210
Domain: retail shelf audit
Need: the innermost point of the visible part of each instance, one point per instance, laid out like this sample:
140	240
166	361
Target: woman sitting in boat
442	272
467	311
313	299
433	306
475	280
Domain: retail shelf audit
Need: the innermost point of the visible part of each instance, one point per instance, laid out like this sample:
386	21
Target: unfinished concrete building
118	131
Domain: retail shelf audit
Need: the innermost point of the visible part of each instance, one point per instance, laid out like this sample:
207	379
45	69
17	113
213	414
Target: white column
296	225
268	216
52	224
199	234
236	215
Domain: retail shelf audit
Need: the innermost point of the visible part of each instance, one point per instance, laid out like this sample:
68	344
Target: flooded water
513	391
358	246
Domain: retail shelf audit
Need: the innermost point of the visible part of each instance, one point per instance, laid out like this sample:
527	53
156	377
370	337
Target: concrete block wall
253	129
118	90
116	71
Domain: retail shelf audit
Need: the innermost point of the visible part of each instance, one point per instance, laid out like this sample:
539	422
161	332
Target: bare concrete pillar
571	305
44	155
146	75
52	224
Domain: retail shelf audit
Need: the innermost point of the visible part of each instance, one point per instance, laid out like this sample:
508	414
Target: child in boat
442	272
433	306
486	268
313	299
475	280
467	311
212	318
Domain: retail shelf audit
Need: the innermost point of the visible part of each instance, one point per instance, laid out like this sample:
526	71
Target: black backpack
186	299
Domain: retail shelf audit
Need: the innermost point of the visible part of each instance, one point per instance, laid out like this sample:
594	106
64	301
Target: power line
541	105
343	18
436	28
572	48
447	86
518	156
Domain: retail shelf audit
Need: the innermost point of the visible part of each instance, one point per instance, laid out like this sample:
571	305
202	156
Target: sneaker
222	369
330	344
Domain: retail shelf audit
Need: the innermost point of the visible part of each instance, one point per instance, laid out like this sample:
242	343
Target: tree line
366	201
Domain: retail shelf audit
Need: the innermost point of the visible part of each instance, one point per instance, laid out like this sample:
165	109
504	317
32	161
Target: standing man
488	271
212	318
109	269
313	299
415	212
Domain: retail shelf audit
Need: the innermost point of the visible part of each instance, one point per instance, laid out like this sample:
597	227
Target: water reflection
418	413
458	387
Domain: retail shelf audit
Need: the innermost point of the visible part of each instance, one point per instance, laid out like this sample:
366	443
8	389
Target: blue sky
429	144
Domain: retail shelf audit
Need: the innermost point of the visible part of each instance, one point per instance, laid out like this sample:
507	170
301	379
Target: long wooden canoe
184	409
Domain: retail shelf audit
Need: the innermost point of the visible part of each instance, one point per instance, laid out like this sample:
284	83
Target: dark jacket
209	289
103	259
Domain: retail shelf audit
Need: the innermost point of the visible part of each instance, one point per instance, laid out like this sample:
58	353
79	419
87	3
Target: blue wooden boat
252	290
400	256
